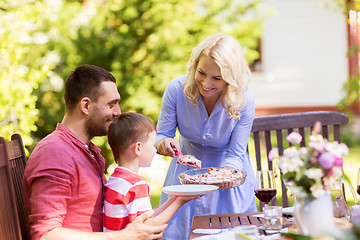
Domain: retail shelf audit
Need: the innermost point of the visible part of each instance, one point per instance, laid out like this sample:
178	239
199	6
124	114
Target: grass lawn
351	168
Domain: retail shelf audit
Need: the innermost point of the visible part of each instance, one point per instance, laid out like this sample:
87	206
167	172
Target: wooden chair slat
257	150
16	158
9	221
268	146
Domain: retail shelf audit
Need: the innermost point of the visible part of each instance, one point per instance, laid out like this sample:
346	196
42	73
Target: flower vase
314	216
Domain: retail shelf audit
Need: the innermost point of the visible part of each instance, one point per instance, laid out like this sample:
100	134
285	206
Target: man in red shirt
64	177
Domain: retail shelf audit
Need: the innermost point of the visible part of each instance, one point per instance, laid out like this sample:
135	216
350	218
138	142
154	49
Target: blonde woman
214	112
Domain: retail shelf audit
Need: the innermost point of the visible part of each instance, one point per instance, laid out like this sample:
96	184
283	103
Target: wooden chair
16	158
9	221
271	131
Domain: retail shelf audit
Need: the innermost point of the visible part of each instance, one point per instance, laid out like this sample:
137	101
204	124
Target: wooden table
229	221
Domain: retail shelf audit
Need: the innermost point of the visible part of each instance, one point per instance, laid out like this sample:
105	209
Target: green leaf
296	236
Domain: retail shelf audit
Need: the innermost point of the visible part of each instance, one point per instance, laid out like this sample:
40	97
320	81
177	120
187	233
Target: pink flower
294	137
327	160
339	162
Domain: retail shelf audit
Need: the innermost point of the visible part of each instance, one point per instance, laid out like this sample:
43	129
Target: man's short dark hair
84	81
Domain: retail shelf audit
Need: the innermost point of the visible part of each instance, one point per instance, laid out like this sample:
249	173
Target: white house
304	61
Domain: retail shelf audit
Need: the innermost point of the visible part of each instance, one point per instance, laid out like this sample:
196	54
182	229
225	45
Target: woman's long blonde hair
226	52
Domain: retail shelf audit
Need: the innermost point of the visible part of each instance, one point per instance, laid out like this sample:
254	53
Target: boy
132	138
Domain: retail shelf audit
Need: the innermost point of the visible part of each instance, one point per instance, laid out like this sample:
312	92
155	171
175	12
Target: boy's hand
140	230
184	199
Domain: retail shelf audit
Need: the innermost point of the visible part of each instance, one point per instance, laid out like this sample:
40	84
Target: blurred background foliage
351	87
143	43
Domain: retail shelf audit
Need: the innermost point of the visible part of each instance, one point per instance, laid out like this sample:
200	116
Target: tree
144	43
24	63
351	87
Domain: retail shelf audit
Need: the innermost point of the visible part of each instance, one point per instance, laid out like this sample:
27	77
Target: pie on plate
222	177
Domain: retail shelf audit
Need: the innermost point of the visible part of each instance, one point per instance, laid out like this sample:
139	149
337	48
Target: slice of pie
189	160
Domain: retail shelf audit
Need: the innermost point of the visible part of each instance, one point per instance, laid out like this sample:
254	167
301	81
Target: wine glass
265	189
340	208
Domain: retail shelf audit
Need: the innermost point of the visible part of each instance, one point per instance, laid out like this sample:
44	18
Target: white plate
288	211
189	190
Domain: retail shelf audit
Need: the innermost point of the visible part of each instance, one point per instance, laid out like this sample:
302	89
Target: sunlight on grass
155	176
351	167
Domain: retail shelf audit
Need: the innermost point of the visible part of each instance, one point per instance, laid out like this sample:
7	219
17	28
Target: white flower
337	171
297	191
329	182
274	153
303	151
314	173
344	149
317	190
290	152
294	137
317	146
290	163
337	149
316	138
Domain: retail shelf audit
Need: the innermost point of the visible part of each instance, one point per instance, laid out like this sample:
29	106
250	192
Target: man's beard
96	127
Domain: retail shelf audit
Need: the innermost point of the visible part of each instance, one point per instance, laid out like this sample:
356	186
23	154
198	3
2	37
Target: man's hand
139	230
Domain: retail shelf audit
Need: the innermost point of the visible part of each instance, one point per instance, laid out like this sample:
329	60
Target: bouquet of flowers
310	171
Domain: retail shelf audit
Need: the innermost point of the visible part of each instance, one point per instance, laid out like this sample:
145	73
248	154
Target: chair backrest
17	162
271	131
9	221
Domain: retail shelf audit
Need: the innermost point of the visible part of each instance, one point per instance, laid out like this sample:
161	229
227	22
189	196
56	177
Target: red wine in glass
265	195
265	189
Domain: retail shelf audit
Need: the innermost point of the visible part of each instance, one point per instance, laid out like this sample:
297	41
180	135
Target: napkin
206	231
